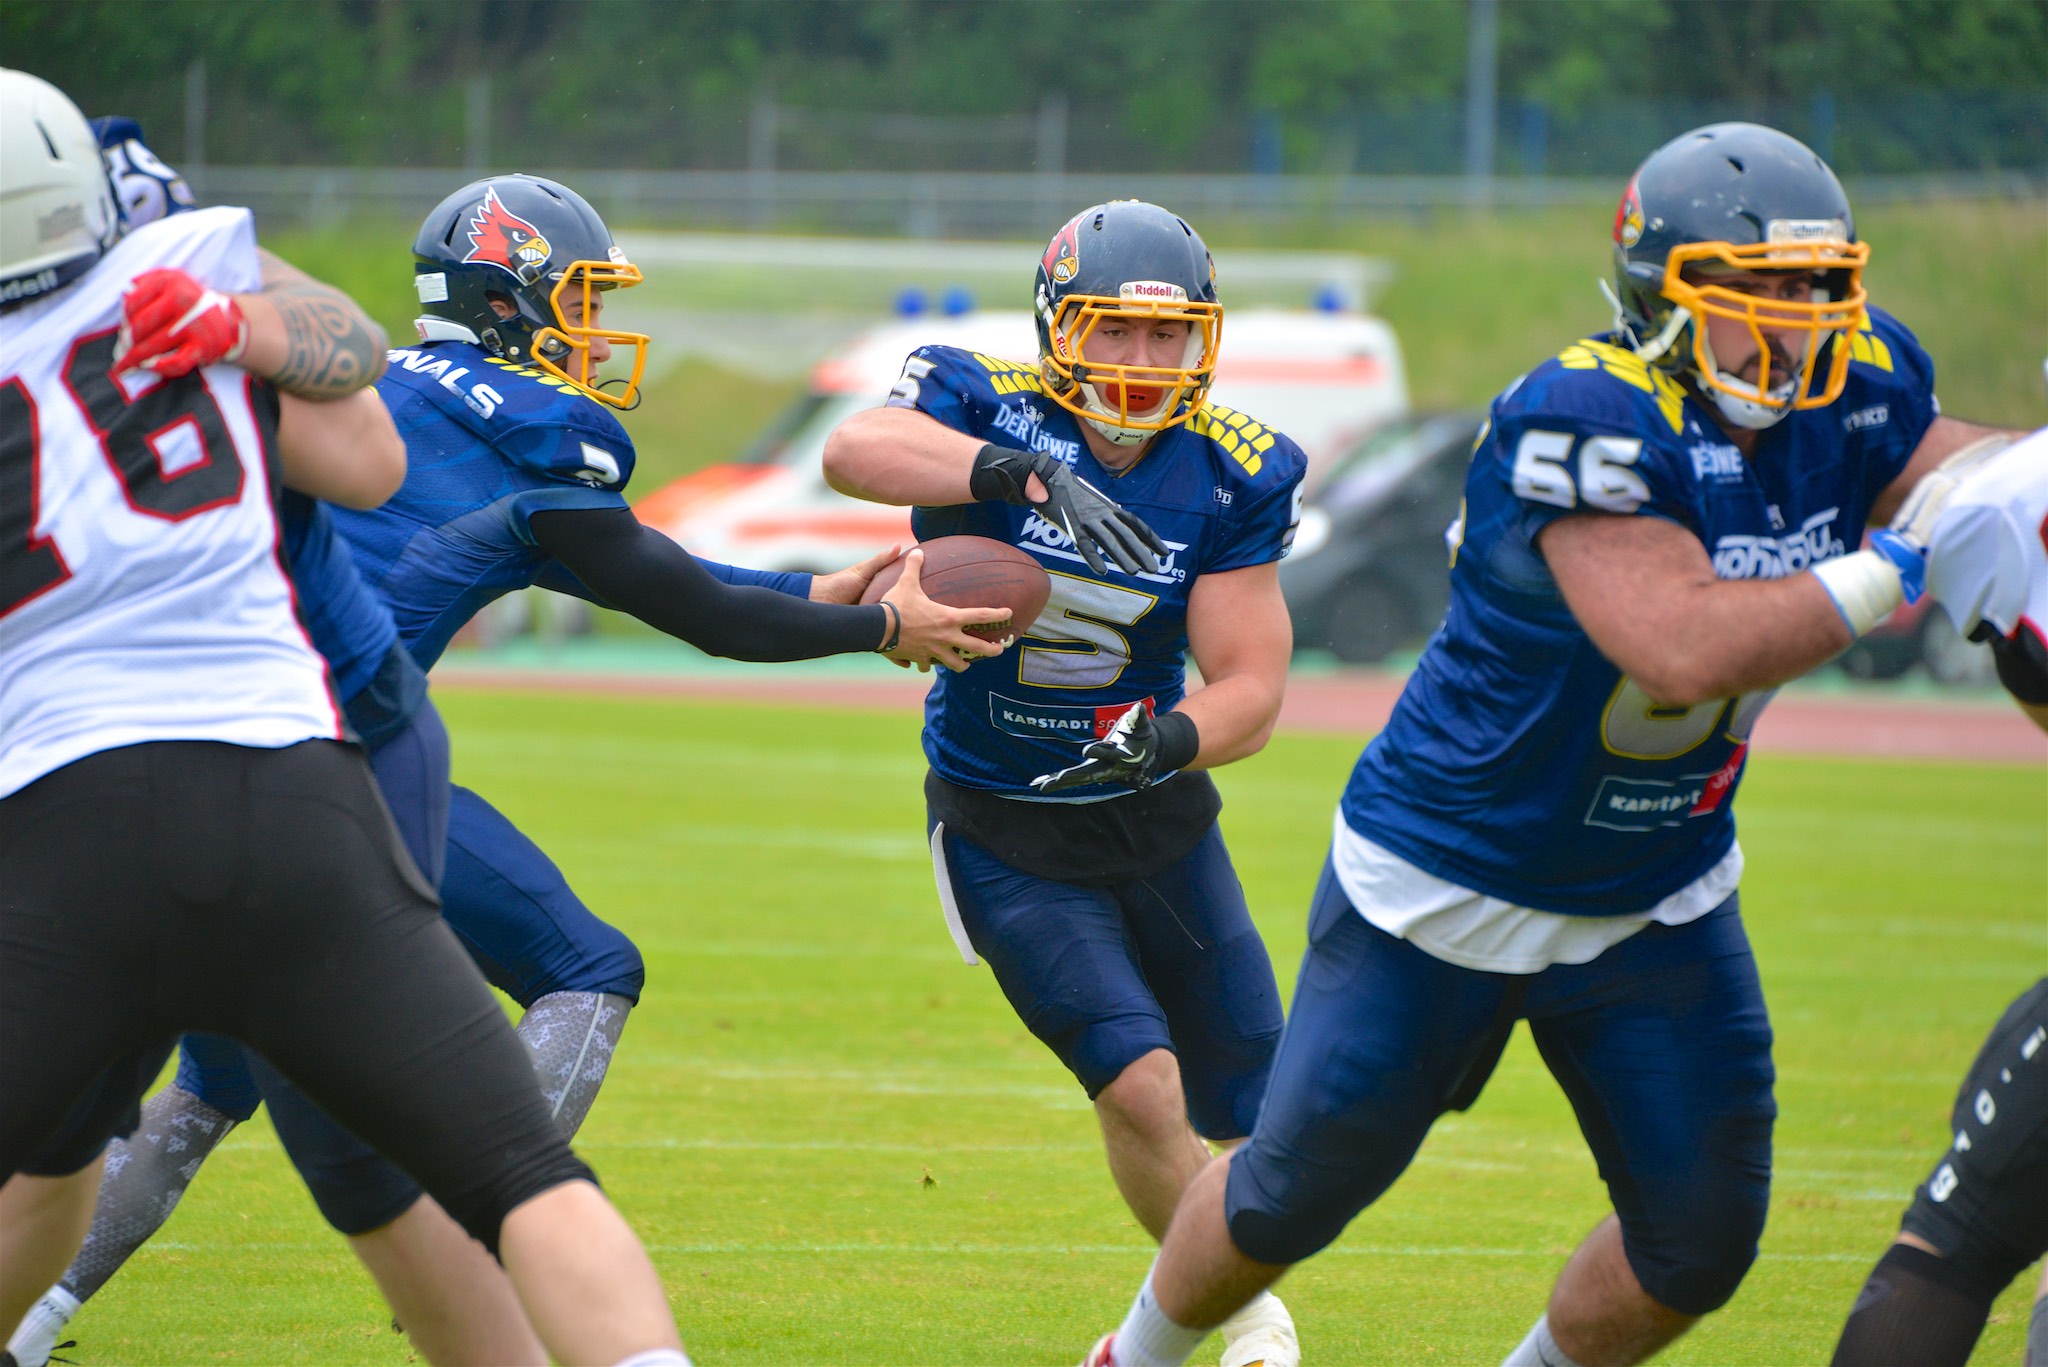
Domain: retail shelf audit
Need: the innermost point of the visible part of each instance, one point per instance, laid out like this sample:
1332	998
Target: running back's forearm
898	455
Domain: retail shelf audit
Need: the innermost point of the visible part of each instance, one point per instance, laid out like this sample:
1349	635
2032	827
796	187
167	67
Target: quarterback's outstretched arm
1646	593
634	568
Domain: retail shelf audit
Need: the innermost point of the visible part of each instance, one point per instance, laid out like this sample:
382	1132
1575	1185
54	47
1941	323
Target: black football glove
1089	516
1139	747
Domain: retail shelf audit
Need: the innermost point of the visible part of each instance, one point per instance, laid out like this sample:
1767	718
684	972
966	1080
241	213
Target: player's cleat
1261	1335
1102	1354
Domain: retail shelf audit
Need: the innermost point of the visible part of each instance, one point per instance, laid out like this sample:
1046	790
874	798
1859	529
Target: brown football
976	572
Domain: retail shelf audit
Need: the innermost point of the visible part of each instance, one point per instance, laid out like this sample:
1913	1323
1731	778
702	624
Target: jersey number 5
134	434
1080	620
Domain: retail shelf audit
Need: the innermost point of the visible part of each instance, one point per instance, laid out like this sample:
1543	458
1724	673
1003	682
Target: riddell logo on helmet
1152	289
1806	230
502	238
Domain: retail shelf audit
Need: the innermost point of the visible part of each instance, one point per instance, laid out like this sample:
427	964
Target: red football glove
172	324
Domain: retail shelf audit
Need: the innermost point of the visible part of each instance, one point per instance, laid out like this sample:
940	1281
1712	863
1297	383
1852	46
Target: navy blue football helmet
1126	258
1726	199
493	264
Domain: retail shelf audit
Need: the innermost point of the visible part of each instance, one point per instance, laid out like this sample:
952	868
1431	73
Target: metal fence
967	204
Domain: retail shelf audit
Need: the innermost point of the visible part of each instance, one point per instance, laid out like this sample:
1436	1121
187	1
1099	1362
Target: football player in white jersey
1987	564
1982	1214
175	810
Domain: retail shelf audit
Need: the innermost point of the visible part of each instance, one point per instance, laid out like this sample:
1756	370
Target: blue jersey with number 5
1221	491
1519	762
488	444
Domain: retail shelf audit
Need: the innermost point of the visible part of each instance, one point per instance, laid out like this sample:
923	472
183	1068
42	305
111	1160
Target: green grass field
842	1148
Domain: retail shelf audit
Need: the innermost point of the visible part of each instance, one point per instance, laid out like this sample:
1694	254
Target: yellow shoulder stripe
1631	370
1244	439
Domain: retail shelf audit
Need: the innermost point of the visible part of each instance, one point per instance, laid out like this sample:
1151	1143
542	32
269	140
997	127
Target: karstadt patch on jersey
1222	491
1519	762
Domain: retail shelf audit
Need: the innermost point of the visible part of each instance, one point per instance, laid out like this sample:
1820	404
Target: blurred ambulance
1322	377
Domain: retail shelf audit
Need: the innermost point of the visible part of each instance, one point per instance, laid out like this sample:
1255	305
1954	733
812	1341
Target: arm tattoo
334	348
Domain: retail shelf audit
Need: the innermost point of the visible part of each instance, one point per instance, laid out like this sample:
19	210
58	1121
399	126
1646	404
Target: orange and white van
1323	378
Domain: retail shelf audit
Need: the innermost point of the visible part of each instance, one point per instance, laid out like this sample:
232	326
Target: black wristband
999	473
1179	742
895	635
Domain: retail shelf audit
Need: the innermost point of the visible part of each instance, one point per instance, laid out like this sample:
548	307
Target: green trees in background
1145	84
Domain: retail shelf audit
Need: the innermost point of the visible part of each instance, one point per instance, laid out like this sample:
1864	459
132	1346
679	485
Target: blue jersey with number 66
1519	762
1223	493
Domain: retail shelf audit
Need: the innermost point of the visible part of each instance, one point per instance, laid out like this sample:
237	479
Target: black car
1370	573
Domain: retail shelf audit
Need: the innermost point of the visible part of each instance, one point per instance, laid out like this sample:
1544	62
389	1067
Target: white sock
1251	1309
656	1357
1147	1338
39	1328
1539	1349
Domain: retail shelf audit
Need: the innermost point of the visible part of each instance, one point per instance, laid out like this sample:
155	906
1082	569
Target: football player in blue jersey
1073	828
1658	530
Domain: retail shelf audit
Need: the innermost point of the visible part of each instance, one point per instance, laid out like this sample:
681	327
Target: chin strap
1656	346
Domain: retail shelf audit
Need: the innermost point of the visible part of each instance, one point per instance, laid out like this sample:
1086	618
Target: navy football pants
508	905
1104	975
1661	1044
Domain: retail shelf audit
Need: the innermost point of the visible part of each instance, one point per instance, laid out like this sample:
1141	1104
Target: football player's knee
211	1068
1284	1207
607	961
1979	1255
1226	1084
1701	1251
481	1205
357	1192
1098	1051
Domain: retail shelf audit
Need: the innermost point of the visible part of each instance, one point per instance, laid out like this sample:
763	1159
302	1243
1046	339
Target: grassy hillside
1477	299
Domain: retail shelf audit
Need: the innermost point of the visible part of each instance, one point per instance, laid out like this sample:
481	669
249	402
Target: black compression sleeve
636	569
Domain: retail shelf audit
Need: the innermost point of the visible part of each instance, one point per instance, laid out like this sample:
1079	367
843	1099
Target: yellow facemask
588	278
1819	319
1179	389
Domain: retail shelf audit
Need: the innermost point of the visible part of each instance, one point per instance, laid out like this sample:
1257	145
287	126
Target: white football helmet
57	212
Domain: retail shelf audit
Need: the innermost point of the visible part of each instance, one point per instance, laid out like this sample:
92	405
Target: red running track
1357	703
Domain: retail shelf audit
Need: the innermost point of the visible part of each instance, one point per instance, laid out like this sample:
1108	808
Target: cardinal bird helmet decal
502	238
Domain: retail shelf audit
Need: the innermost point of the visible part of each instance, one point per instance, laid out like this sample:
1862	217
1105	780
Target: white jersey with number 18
142	596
